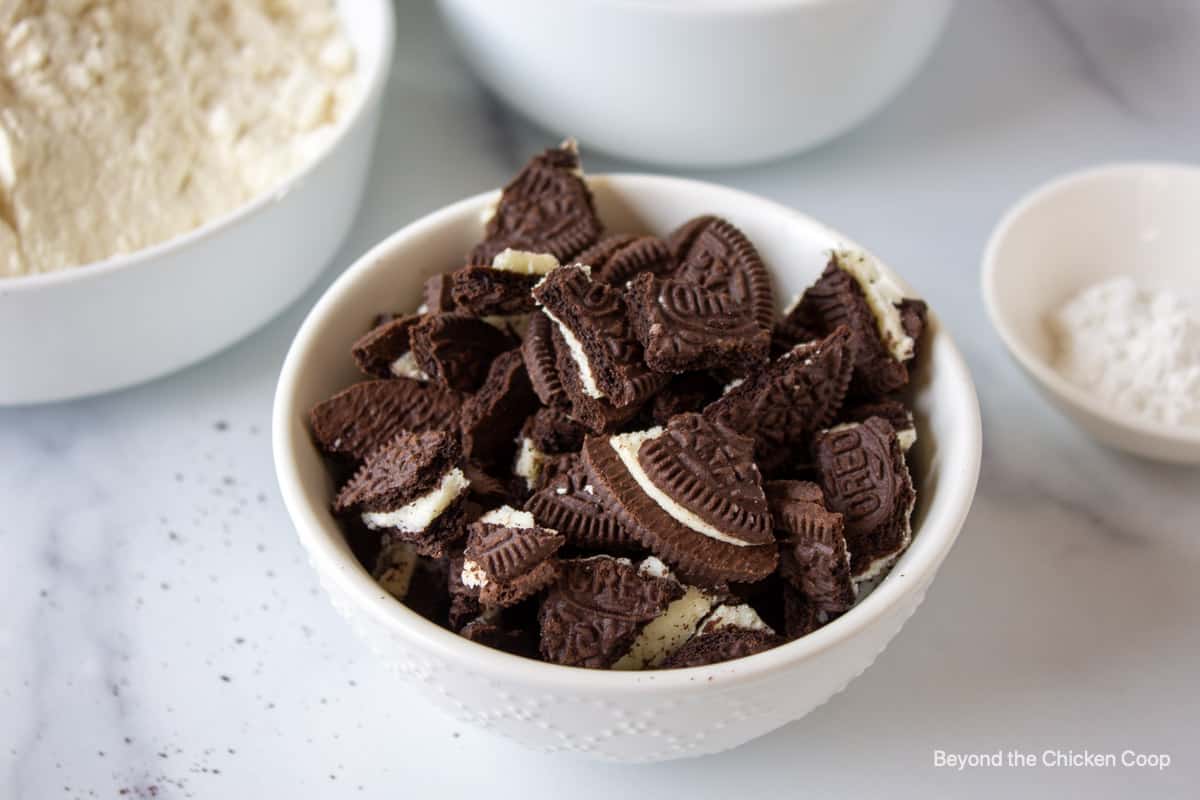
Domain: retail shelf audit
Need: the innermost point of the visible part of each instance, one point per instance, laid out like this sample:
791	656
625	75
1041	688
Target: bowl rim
369	91
1034	364
940	528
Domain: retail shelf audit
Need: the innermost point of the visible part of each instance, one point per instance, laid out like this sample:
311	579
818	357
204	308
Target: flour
1136	350
124	123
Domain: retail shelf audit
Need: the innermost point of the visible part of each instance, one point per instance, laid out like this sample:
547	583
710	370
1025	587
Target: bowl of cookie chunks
626	465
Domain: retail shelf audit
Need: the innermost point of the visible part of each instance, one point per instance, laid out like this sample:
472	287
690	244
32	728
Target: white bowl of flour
1093	283
172	176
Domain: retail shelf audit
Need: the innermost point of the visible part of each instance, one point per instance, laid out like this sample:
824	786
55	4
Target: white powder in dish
1136	350
128	122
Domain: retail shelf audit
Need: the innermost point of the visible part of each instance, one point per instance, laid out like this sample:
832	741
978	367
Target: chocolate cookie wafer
689	392
456	349
723	646
865	479
594	613
497	630
385	352
728	632
509	557
691	493
492	416
361	418
716	309
547	208
785	403
568	503
813	555
484	291
541	361
437	295
617	258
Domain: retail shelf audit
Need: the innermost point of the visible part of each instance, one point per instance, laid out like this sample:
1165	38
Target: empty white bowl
1078	230
697	83
620	716
130	318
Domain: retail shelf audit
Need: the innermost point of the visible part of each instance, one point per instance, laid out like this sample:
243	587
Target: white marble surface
160	631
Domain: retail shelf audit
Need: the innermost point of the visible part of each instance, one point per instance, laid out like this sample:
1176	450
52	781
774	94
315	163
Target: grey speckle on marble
161	631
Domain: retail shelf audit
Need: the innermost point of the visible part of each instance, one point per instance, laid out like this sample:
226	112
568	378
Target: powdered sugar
1136	350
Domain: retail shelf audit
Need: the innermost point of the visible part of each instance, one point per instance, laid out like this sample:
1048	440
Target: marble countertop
161	633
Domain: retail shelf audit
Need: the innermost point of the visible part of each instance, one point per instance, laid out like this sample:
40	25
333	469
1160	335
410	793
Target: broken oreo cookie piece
413	489
728	632
456	349
590	316
567	502
715	309
865	478
547	208
541	362
509	557
813	555
785	403
853	291
385	352
491	417
597	609
691	493
358	420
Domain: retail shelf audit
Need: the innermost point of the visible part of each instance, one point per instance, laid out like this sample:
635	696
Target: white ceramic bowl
130	318
703	83
1121	219
622	716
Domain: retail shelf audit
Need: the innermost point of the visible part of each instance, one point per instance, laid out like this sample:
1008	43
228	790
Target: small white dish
694	83
618	716
130	318
1074	232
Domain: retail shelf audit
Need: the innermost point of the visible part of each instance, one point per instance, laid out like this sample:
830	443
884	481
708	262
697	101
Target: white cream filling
529	463
671	629
395	567
654	567
586	376
733	384
406	367
524	262
509	517
473	574
882	295
667	632
739	616
626	446
417	515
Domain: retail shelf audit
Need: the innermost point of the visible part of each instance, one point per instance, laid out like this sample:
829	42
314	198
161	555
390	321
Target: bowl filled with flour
172	175
1093	283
